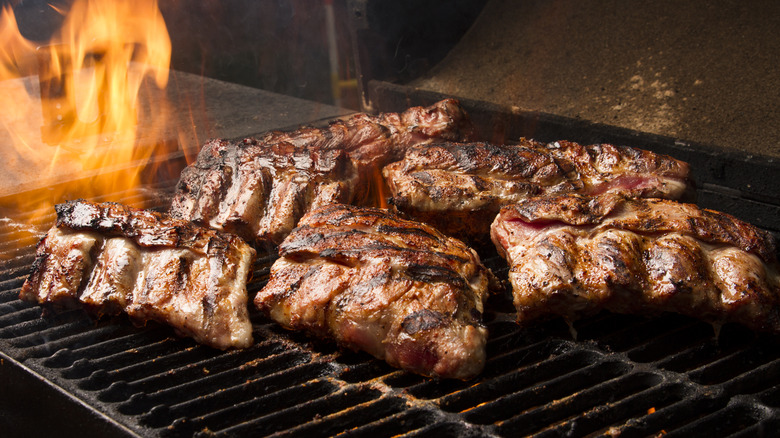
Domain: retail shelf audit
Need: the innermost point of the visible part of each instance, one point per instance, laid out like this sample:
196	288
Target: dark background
275	45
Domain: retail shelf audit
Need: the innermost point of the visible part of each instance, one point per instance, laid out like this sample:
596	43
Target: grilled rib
399	290
112	258
574	255
460	187
259	188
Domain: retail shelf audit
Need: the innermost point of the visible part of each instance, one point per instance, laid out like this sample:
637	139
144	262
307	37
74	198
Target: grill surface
621	375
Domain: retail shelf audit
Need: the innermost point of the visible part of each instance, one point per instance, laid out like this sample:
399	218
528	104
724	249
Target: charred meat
258	188
398	289
259	191
111	258
460	187
574	255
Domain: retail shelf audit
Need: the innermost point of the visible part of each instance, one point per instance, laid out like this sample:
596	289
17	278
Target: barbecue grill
63	373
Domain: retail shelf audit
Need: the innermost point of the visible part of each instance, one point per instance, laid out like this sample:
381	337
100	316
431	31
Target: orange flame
14	48
378	188
76	106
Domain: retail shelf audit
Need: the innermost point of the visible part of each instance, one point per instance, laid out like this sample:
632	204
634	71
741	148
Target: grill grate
623	374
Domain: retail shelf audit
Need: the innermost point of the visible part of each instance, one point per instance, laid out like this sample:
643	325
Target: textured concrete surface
700	71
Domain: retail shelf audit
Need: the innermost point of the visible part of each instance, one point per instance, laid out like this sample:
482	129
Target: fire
14	49
83	103
380	192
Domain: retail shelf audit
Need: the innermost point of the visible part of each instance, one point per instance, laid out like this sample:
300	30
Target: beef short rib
574	255
111	258
460	187
398	289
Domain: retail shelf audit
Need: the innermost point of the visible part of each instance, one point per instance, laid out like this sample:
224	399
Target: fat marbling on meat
398	289
111	258
573	255
260	187
460	187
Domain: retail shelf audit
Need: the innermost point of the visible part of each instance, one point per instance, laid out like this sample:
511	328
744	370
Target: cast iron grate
622	375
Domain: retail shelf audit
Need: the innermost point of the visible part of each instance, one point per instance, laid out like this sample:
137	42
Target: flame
84	102
14	48
379	191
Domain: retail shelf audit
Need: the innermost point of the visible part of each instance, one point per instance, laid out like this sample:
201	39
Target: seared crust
145	228
259	191
646	216
400	290
574	255
112	258
460	187
258	188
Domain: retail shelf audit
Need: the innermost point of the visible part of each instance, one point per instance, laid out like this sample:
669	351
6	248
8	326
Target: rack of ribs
574	255
460	187
260	187
397	289
110	258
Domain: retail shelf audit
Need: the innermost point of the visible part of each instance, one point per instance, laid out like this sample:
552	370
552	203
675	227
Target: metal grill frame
623	375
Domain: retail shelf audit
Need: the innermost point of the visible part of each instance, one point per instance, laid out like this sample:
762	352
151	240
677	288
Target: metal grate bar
314	409
400	423
231	410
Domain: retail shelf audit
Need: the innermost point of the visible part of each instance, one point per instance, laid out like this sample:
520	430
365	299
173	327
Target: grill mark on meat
343	257
112	258
423	320
352	255
574	255
290	247
250	201
284	205
413	252
613	259
297	283
360	293
424	177
362	237
338	214
433	274
480	183
375	282
113	276
387	229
